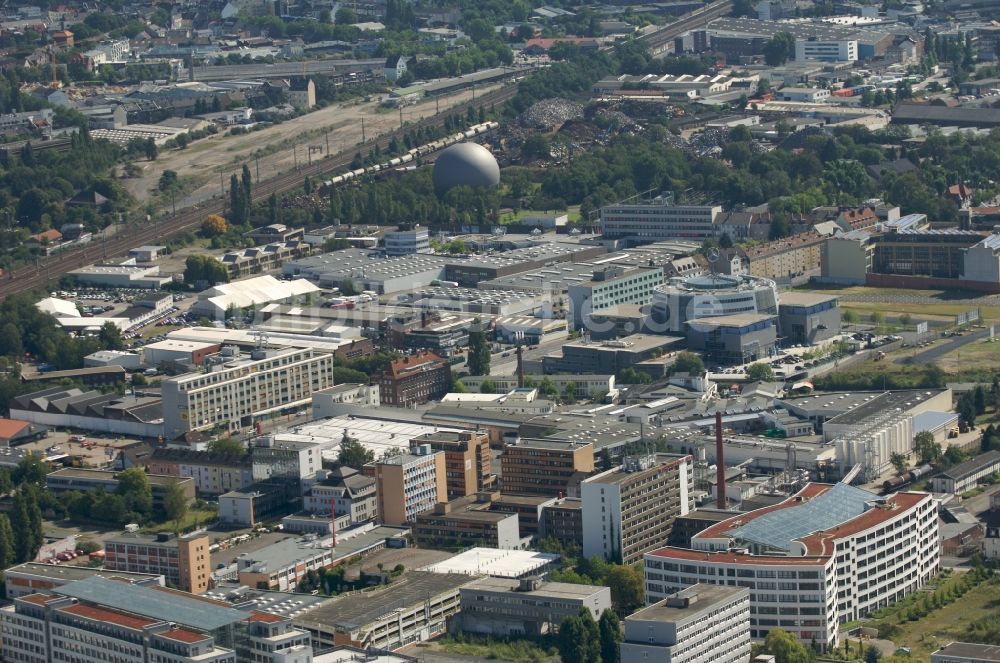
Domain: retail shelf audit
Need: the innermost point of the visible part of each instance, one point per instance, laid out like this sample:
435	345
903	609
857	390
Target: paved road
938	350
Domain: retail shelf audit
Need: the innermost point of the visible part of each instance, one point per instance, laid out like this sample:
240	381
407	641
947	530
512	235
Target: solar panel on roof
779	528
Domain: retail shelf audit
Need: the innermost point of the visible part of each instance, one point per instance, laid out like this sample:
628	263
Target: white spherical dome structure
465	164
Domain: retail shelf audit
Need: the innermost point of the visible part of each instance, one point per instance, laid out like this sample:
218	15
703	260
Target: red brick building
414	379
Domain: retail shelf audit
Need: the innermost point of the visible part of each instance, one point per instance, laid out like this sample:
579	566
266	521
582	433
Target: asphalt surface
938	350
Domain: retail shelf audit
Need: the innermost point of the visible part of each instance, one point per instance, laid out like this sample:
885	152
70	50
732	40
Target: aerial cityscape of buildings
577	332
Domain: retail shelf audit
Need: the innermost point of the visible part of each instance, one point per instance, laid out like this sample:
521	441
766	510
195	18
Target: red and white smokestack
720	465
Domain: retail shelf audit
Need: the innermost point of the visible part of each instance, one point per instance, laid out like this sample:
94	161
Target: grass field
978	353
943	309
948	624
519	651
193	519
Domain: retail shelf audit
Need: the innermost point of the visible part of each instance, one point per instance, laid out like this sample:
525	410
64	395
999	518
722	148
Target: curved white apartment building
827	555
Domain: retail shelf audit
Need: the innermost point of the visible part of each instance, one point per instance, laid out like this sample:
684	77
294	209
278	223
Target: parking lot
94	450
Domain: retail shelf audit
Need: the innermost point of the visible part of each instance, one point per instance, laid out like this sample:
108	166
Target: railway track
658	42
50	268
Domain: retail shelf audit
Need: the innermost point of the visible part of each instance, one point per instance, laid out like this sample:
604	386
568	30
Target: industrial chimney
520	365
720	465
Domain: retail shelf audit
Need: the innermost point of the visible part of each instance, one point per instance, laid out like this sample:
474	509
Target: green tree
579	638
175	504
30	470
349	289
354	454
688	362
876	318
966	408
134	487
850	317
229	446
7	552
611	637
536	146
779	49
787	648
626	583
346	16
110	336
760	372
926	447
898	461
6	481
150	149
26	520
479	350
487	387
905	320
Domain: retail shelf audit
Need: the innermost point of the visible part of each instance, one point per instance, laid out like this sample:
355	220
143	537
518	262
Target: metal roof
777	529
160	604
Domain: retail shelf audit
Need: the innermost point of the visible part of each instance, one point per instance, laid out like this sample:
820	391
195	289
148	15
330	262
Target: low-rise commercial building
657	220
700	623
171	351
966	652
734	339
807	318
183	561
35	577
407	240
530	606
281	565
82	480
213	473
414	608
449	526
629	510
258	503
348	491
607	356
966	476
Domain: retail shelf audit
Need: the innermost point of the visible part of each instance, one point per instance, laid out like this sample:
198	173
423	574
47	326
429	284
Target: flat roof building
529	606
415	607
700	623
966	652
544	467
839	552
409	484
35	577
183	561
734	339
496	563
966	476
83	479
629	511
240	389
467	460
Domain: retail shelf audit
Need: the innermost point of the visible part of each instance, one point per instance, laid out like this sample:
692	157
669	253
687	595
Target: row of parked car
64	556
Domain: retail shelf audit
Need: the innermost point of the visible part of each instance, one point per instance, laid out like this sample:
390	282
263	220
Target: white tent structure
256	291
59	308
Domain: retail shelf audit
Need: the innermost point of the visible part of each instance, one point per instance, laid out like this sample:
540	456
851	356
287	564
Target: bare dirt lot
278	147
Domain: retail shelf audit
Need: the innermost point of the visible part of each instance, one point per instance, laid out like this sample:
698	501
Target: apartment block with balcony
828	555
409	484
629	510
